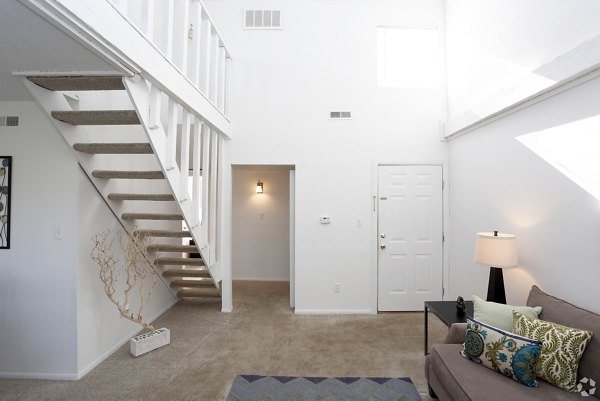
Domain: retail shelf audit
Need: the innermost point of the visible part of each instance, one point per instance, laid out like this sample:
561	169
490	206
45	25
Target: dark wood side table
446	312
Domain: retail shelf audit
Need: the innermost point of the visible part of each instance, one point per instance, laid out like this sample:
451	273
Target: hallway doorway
262	224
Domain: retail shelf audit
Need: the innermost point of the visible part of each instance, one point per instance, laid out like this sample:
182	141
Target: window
408	58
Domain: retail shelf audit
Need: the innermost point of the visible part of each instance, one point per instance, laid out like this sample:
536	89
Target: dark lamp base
496	286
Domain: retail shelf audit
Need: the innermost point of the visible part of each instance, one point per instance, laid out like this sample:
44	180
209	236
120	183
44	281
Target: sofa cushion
508	354
465	380
562	349
500	315
561	312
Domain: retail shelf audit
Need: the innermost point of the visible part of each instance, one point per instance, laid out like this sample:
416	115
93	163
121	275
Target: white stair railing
183	32
186	36
172	132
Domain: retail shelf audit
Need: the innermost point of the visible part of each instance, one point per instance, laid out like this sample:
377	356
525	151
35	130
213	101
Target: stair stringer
50	101
139	93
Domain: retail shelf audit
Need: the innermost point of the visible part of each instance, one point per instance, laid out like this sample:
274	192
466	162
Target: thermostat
325	220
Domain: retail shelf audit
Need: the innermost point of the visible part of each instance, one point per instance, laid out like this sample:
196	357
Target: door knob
382	235
382	246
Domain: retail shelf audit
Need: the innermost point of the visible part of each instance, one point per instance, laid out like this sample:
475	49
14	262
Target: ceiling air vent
9	121
262	19
340	115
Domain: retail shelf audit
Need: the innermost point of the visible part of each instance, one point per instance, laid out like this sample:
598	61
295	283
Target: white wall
285	83
261	249
55	321
38	275
100	328
501	51
497	183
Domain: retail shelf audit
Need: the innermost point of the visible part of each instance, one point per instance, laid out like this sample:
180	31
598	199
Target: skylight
573	149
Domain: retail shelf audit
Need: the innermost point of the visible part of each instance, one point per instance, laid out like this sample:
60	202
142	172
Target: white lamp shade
496	251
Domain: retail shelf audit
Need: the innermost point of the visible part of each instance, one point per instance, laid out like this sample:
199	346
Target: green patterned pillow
513	356
562	349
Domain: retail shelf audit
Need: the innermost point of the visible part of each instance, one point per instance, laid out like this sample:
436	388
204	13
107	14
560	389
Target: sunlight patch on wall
573	149
490	76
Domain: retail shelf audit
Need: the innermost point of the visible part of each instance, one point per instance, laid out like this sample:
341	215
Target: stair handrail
206	145
195	47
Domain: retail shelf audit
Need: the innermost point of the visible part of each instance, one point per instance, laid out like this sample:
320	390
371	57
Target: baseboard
102	357
335	312
286	280
38	376
125	340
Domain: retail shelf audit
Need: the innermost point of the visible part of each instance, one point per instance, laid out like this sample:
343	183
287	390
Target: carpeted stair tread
198	293
130	175
172	248
115	148
196	273
79	82
164	261
140	197
97	117
163	233
152	216
192	283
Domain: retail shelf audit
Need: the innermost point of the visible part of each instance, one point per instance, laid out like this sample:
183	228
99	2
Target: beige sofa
454	378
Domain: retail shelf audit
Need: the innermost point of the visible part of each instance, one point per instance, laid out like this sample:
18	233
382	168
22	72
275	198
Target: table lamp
497	250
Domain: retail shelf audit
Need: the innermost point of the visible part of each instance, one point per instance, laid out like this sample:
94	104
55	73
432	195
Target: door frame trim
229	207
375	224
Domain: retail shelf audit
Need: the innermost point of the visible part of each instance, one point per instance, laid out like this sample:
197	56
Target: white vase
147	342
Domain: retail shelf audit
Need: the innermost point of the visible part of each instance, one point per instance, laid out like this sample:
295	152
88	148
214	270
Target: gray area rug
289	388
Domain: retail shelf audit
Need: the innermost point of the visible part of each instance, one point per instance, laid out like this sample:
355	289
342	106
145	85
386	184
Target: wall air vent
262	19
340	115
9	121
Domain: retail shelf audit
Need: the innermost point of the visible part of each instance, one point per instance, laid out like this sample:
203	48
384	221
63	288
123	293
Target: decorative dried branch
135	268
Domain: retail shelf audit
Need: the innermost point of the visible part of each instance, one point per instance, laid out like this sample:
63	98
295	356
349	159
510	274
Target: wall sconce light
259	187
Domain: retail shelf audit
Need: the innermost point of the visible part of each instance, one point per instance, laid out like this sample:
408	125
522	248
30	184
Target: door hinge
443	238
442	185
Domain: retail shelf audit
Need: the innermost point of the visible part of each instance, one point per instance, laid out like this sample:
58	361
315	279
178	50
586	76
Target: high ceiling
29	43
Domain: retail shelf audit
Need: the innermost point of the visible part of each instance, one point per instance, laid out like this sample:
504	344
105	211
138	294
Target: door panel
410	237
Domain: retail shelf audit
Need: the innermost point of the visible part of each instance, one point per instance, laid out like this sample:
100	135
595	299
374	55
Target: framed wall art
5	173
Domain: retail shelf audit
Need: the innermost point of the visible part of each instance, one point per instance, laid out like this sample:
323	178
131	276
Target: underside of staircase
171	250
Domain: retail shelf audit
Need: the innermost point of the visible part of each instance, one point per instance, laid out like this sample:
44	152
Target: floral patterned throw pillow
511	355
561	351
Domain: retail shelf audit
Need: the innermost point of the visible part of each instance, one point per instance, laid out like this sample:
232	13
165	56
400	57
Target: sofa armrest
456	334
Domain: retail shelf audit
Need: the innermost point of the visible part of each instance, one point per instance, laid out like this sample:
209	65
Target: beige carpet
262	336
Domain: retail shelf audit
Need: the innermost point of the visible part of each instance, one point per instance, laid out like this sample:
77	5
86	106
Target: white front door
409	237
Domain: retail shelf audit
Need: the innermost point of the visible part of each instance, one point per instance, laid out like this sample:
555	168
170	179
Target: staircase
146	193
139	133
